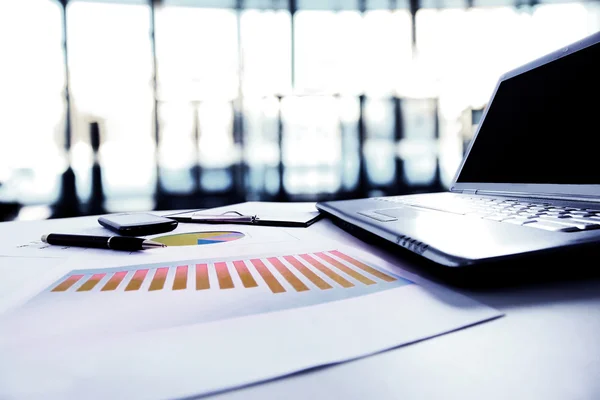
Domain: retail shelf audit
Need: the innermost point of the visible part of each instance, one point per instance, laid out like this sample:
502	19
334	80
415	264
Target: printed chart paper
205	325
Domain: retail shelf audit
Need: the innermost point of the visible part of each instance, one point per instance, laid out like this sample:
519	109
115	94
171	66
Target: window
32	78
110	62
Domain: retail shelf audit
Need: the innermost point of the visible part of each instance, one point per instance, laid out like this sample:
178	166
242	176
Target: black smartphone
137	224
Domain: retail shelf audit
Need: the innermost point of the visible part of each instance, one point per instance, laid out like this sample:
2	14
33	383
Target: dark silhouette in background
96	203
9	210
68	204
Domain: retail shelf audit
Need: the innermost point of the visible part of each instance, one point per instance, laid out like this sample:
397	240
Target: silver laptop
529	183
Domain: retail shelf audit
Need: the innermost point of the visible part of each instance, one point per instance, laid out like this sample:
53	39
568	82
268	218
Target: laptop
529	183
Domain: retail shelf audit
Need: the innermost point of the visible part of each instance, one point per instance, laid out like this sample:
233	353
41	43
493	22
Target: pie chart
199	238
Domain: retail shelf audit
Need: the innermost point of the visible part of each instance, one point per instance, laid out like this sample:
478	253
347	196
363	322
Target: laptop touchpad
396	212
390	214
378	216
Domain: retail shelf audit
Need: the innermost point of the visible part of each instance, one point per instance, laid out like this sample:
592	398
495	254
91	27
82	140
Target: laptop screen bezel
530	189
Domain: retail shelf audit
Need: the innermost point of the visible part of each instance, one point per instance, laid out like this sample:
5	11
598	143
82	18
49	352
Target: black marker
101	242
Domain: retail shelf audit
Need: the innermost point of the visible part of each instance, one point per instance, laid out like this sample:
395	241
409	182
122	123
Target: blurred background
130	105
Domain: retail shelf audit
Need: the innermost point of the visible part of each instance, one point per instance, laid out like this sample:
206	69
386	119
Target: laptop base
557	265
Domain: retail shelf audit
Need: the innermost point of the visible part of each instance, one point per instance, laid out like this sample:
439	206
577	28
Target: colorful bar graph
303	272
91	283
225	281
202	281
344	268
181	275
245	276
67	283
114	281
314	278
136	281
364	267
288	275
268	277
160	276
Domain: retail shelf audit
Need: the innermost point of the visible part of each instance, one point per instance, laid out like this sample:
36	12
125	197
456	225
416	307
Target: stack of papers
222	309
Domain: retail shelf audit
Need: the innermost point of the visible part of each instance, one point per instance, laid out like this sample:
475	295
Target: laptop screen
542	126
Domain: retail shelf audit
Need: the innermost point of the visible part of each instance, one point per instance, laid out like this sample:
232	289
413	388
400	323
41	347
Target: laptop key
580	213
519	221
592	223
557	215
453	210
572	222
551	226
497	217
593	219
478	214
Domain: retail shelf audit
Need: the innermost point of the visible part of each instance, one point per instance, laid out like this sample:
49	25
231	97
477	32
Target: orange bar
337	278
270	280
288	275
67	283
91	283
180	281
344	268
114	281
202	281
245	276
225	281
160	276
136	281
364	267
314	278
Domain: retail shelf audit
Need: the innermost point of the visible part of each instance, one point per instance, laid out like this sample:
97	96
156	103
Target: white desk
546	347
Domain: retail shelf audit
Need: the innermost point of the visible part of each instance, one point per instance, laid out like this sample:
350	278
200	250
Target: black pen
101	242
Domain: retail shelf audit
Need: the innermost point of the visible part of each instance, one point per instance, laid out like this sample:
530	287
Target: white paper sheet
266	210
22	277
170	343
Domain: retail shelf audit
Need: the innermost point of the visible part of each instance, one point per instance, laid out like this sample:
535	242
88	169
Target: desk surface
546	347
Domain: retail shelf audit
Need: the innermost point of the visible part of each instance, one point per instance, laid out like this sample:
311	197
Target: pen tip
44	238
149	244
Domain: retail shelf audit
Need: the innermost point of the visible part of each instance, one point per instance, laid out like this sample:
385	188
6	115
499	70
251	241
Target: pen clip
225	217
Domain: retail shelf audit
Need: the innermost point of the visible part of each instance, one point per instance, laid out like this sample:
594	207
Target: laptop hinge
538	195
467	191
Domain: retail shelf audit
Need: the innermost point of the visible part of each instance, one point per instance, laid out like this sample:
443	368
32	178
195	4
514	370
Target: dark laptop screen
542	126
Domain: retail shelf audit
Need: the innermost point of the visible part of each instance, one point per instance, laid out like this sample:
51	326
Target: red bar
202	281
270	280
225	281
114	281
67	283
91	283
180	278
245	276
160	276
136	281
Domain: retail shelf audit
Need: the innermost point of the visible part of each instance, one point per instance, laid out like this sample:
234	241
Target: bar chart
278	274
166	294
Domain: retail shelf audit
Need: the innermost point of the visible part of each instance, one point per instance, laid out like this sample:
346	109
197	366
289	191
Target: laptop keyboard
531	214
